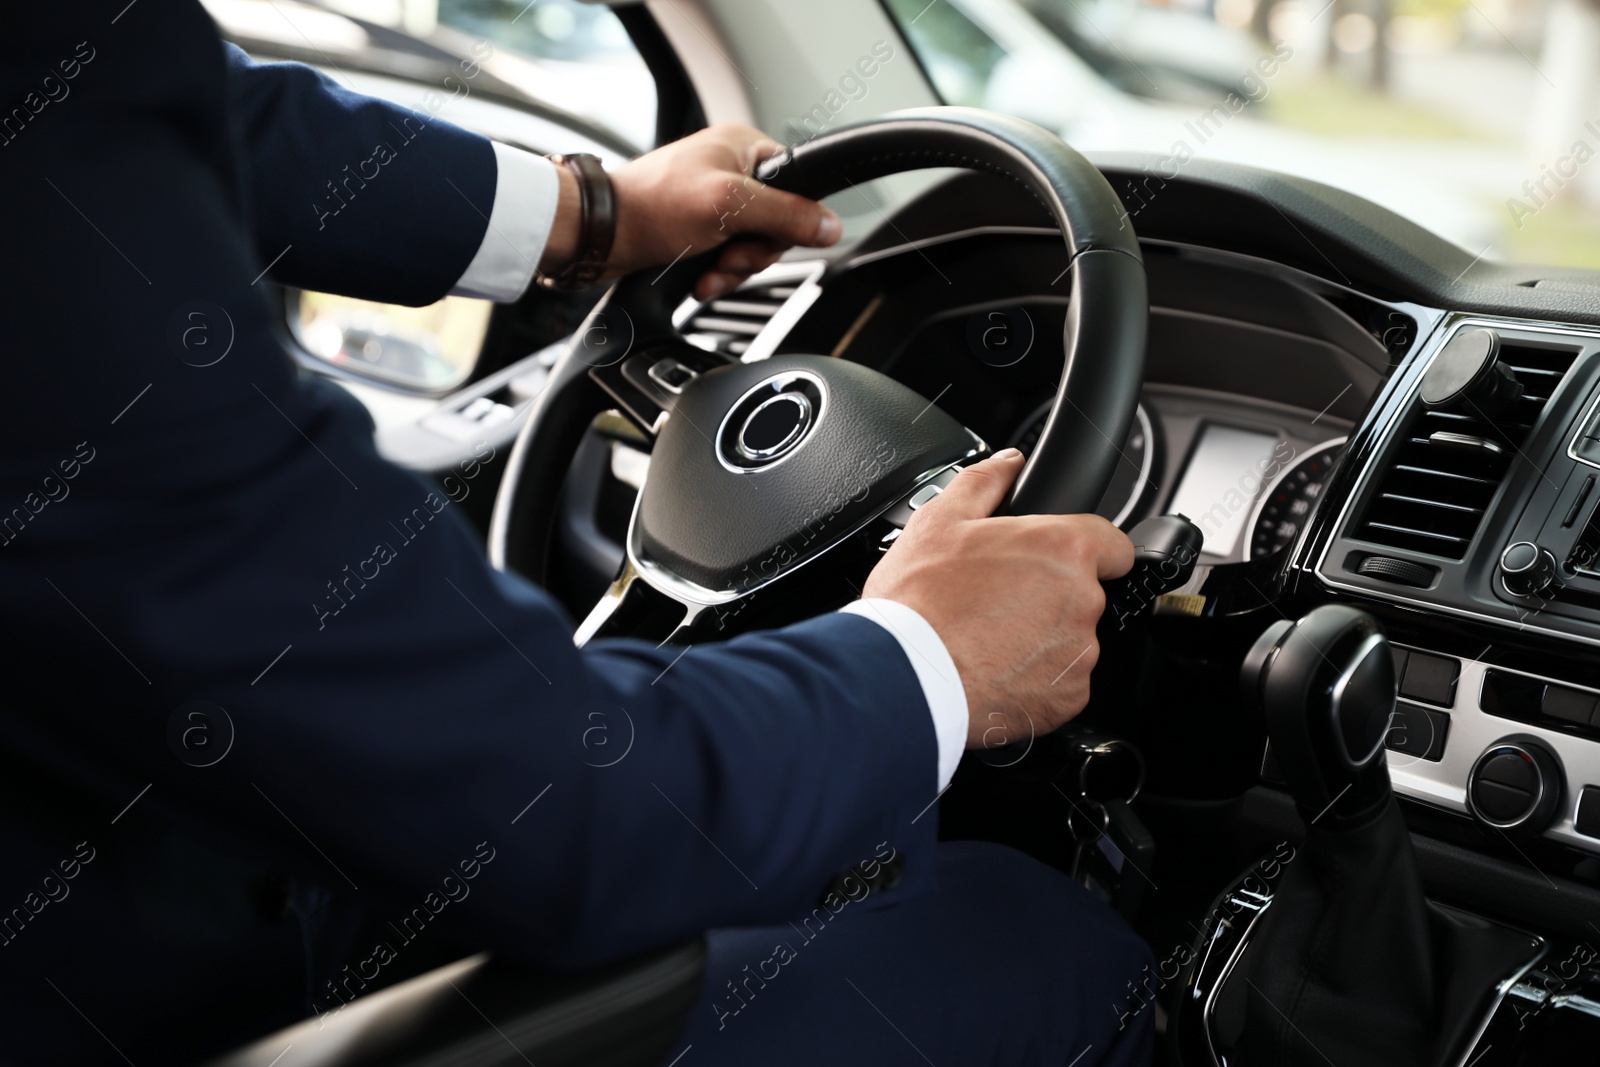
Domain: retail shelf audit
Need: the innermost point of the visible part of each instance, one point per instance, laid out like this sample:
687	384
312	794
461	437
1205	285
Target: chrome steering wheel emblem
769	422
774	427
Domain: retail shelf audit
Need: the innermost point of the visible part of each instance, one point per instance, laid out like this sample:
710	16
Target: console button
1418	732
1568	705
1400	655
1501	803
1511	769
1578	502
901	513
1431	679
1515	785
1511	696
1527	570
1587	820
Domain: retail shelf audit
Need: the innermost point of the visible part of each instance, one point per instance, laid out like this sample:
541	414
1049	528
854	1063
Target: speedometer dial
1285	506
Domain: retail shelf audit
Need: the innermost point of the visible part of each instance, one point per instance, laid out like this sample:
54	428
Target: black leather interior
484	1013
1351	952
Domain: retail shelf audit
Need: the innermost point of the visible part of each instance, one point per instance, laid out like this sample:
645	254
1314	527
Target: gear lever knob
1326	686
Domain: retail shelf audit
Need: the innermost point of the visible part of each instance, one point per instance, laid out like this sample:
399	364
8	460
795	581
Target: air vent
1448	463
729	325
732	324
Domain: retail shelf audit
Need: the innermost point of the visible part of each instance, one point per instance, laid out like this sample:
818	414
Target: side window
573	54
428	349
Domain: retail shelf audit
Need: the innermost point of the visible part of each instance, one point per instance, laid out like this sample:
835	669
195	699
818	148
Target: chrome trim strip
1145	466
607	605
1372	641
1222	979
1540	945
1543	947
1572	445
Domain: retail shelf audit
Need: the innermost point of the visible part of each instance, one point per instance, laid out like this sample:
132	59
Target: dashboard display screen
1219	485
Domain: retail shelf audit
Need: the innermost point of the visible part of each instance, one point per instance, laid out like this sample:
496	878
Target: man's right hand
1014	598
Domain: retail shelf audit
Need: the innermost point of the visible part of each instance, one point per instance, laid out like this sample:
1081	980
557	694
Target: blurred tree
1565	94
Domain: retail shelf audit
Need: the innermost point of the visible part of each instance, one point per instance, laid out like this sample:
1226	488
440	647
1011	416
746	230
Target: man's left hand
696	194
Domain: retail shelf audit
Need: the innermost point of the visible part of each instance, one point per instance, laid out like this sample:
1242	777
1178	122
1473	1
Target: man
403	780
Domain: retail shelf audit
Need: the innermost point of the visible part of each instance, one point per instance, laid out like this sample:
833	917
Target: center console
1475	499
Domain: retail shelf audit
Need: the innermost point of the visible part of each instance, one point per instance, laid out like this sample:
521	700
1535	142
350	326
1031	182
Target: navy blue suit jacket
413	739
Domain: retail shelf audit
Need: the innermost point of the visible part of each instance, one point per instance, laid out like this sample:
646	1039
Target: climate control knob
1515	786
1527	569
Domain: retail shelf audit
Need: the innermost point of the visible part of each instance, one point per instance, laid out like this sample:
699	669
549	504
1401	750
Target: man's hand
1015	599
693	195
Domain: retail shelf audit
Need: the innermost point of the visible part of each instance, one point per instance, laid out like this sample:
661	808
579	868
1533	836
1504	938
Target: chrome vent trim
750	322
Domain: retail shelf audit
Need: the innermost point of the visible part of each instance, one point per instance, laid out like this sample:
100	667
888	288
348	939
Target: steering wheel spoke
645	384
647	599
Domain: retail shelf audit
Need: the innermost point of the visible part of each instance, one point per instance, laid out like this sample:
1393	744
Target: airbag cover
743	486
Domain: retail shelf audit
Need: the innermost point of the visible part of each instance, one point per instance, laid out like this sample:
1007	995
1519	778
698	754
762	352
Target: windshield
1476	119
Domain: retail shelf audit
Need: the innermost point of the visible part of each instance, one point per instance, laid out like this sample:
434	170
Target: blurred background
1468	116
1477	119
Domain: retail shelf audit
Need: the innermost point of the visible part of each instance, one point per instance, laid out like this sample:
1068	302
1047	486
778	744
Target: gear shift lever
1350	963
1326	685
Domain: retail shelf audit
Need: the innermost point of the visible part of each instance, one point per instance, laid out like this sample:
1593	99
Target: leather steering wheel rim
1104	338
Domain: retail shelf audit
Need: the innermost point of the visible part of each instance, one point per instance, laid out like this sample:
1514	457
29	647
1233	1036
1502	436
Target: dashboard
1351	410
1246	469
1292	331
1281	413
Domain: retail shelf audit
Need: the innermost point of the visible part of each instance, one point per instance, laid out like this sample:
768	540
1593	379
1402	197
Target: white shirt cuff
526	190
941	684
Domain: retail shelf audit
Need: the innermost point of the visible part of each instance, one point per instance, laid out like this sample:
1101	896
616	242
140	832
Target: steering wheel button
923	495
671	375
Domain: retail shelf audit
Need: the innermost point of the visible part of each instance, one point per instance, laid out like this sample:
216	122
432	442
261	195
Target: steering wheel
760	469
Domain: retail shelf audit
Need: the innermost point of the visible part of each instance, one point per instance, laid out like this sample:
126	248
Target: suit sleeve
348	194
407	708
188	520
